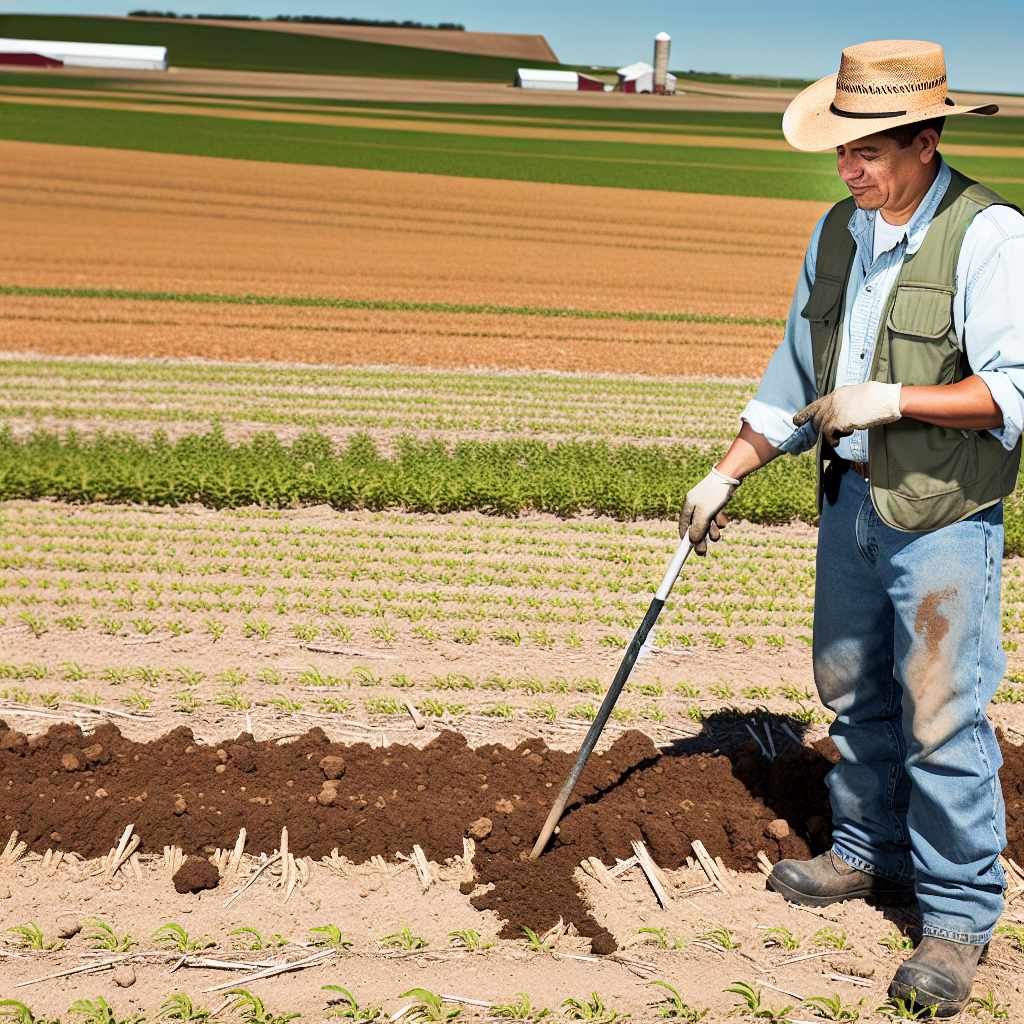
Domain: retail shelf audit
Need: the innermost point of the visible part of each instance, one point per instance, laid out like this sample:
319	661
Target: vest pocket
822	313
923	345
924	461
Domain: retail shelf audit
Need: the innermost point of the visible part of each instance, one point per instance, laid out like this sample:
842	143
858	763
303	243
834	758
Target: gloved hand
853	407
702	512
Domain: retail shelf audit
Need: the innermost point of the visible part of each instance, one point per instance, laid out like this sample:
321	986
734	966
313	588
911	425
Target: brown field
488	44
108	219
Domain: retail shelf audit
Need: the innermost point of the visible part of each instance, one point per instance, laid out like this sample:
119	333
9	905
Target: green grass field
246	49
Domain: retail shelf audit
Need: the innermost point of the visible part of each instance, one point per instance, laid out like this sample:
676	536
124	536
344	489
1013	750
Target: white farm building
90	55
562	81
639	77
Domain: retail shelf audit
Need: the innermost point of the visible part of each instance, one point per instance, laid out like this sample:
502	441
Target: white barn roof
640	67
92	55
542	78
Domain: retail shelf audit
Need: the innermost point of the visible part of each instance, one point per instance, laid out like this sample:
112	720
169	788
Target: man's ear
926	143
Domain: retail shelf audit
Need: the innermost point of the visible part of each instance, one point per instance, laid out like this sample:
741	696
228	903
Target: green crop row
499	477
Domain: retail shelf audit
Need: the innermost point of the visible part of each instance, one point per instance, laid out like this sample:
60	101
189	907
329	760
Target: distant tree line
308	19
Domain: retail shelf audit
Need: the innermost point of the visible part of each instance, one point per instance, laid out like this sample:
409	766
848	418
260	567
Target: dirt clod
96	753
70	762
777	829
504	806
481	828
180	805
124	975
68	926
332	766
195	875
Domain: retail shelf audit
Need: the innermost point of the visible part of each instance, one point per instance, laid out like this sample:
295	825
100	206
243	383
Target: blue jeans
907	654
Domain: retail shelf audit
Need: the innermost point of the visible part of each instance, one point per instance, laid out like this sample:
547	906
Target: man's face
878	171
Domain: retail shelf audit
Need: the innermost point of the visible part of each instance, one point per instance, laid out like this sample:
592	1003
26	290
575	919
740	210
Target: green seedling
898	1009
430	1006
175	937
469	939
521	1008
781	937
103	936
329	936
99	1011
592	1009
345	1005
721	937
535	942
1015	933
252	940
831	1008
36	624
30	936
15	1012
250	1008
180	1007
672	1006
830	938
989	1006
661	938
897	942
404	940
750	1004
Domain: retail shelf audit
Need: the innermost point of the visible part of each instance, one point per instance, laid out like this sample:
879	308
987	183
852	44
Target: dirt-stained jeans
907	653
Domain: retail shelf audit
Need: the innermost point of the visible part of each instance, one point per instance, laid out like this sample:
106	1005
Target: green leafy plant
750	1004
250	1008
673	1007
831	1008
15	1012
330	936
253	940
830	938
30	936
99	1011
174	936
521	1008
897	942
469	939
179	1007
988	1005
781	937
721	937
899	1009
430	1006
1015	933
660	937
102	936
535	942
345	1005
404	939
592	1009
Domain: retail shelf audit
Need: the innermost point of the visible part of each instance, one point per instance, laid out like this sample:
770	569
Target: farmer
903	363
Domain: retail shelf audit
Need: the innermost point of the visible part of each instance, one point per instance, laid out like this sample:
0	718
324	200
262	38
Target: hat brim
810	125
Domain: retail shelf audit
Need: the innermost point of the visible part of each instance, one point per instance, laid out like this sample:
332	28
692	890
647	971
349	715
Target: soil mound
178	791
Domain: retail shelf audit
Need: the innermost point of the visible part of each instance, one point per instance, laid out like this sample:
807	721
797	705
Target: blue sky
984	40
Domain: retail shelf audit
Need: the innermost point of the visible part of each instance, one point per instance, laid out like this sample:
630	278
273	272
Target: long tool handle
628	660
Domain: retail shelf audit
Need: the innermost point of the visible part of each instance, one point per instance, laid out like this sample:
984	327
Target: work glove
702	513
850	408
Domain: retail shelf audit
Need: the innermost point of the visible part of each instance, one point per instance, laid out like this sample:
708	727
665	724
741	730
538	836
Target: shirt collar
862	223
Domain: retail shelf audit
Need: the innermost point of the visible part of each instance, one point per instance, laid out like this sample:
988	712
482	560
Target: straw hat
881	84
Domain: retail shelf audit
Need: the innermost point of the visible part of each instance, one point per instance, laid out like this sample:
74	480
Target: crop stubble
130	220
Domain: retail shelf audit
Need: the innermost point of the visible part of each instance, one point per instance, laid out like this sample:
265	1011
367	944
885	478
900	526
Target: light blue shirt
988	317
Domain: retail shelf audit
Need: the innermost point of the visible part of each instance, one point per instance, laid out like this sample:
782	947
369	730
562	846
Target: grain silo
662	45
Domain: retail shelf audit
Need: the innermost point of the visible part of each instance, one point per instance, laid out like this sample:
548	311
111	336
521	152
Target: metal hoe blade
628	660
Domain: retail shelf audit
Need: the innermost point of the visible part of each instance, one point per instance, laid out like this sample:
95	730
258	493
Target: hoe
628	660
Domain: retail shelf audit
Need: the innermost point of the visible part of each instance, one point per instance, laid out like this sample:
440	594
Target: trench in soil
75	791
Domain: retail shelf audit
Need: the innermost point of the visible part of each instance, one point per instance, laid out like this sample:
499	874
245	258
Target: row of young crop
120	393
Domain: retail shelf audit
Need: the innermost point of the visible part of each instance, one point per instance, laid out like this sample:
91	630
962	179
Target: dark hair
905	134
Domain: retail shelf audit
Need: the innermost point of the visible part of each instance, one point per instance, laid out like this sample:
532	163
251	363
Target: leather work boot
939	974
829	879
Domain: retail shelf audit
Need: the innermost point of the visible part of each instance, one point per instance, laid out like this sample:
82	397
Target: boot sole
896	897
921	998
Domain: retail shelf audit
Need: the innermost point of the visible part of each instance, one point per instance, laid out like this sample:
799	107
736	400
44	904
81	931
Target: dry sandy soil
86	218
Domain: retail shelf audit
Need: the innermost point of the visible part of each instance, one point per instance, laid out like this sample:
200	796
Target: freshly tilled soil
77	792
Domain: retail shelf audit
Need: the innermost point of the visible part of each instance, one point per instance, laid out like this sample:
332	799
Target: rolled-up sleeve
993	331
788	382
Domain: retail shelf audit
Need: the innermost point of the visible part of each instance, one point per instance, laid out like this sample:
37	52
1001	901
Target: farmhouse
639	77
52	52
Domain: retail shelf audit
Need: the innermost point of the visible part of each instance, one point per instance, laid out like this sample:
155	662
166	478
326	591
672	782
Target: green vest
922	477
